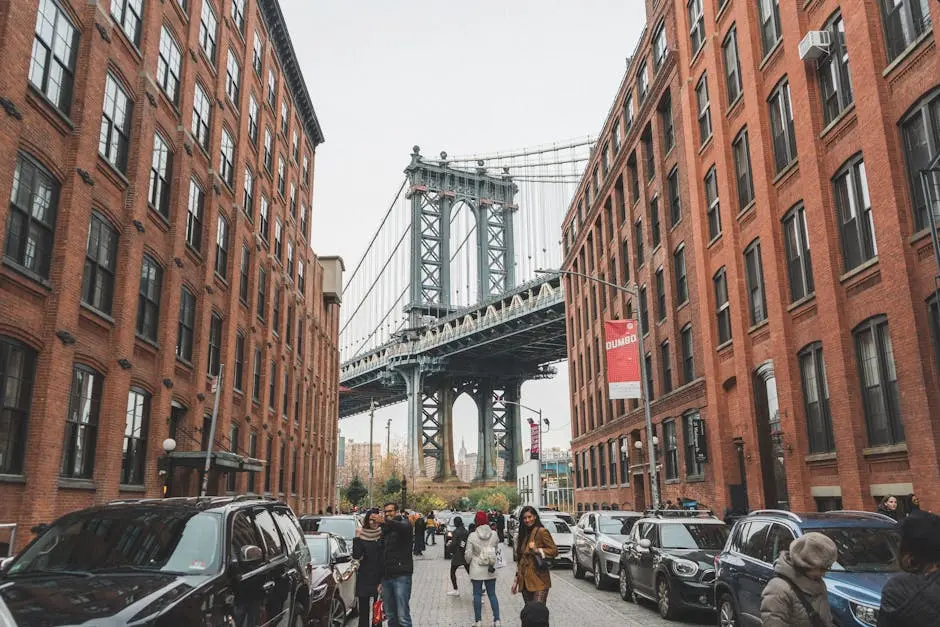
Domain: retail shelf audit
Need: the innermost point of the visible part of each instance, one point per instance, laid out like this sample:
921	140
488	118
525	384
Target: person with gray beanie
796	596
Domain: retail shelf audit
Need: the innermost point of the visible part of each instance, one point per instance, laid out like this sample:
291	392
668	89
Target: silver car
561	536
598	540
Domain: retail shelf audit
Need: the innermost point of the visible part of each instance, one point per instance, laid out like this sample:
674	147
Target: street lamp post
654	489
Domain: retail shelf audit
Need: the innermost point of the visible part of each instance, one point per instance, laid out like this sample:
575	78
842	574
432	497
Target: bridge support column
445	467
413	380
486	463
512	448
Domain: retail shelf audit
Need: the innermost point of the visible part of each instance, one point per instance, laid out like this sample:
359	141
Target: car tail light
309	567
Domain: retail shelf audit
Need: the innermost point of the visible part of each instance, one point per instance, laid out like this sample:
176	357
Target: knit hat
920	537
480	519
534	614
813	550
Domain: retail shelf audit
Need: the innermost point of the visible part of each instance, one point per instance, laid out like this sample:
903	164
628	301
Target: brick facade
50	319
780	454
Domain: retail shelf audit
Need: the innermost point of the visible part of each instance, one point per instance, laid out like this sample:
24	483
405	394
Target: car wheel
664	598
727	612
576	569
337	612
600	581
626	586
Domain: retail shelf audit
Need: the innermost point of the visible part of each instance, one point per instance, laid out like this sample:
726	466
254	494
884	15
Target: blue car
868	551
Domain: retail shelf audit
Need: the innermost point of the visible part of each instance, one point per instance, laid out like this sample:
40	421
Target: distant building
356	461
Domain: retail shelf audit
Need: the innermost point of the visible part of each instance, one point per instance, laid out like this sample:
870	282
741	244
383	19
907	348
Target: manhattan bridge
446	300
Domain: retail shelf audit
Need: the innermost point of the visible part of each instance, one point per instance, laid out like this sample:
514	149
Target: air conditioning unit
815	45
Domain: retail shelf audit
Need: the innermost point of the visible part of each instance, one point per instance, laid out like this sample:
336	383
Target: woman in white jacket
481	556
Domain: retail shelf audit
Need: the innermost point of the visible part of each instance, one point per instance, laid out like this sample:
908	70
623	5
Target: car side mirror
342	558
249	556
644	545
5	563
589	532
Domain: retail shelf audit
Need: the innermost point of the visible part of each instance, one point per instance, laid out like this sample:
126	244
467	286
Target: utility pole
372	405
388	439
215	414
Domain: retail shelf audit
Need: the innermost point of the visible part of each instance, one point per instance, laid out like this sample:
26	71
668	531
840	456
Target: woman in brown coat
533	540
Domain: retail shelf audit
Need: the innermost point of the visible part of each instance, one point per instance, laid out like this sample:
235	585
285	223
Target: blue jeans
478	598
396	596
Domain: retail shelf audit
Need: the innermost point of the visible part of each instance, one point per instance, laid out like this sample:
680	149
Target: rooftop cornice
277	30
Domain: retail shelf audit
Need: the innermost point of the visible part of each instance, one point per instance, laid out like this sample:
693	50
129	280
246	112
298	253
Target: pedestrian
481	557
431	532
534	614
796	596
911	598
421	527
397	565
889	507
500	526
534	547
457	546
367	549
915	504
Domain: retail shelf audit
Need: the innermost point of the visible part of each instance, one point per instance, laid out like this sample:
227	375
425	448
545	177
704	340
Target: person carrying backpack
481	556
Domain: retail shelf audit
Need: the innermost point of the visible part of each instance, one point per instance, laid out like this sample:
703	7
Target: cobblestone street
570	601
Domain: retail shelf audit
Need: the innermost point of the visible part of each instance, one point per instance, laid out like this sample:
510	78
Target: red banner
621	341
535	443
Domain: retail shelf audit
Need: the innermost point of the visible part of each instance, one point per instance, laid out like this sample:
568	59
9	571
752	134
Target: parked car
598	538
561	535
332	580
669	558
173	561
466	518
867	543
342	525
442	517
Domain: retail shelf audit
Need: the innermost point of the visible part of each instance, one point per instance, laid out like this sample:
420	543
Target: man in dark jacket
398	538
457	545
912	598
500	526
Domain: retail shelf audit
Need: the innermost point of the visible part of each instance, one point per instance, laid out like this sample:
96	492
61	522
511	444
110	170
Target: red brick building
809	264
158	158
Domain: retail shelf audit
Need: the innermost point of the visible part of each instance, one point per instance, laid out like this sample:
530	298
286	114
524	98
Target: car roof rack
860	511
679	513
777	512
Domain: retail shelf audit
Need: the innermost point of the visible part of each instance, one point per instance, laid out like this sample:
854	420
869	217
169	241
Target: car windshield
693	536
616	525
865	549
556	526
319	551
134	539
343	527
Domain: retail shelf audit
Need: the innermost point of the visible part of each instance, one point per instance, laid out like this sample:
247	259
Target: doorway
639	492
770	439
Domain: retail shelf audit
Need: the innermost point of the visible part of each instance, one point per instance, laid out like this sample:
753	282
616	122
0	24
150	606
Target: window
628	112
303	220
285	114
253	119
694	436
675	206
660	295
281	468
704	110
781	126
799	263
169	62
160	167
769	14
127	15
276	313
262	290
665	364
17	368
921	133
227	158
135	437
215	345
289	325
732	65
754	272
257	53
263	221
654	222
624	459
281	173
649	153
272	88
194	211
612	461
615	135
290	259
688	365
278	249
186	325
221	247
32	219
268	156
233	72
269	448
835	84
816	399
934	312
904	22
665	118
81	424
301	281
648	364
679	270
602	462
722	307
202	116
300	337
295	145
305	170
696	25
713	208
285	393
233	443
855	222
55	48
256	377
879	382
672	449
659	47
244	269
634	178
293	200
148	302
638	242
644	313
272	385
742	169
238	14
253	454
115	125
208	23
642	83
248	188
100	263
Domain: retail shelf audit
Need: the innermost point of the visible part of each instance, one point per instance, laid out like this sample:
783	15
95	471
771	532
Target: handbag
378	613
814	616
541	564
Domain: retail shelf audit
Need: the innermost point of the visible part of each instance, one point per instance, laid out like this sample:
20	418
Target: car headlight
319	592
684	568
865	614
610	548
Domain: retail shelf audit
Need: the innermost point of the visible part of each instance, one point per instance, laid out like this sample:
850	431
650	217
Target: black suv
669	558
208	561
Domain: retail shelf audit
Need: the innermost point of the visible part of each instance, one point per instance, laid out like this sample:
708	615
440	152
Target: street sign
621	341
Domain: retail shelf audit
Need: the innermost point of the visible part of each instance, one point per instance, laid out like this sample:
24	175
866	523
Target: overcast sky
465	77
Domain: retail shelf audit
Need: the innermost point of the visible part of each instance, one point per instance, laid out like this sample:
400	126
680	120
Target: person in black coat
500	526
912	598
420	528
367	548
397	544
457	545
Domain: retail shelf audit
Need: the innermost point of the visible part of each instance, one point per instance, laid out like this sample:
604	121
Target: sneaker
497	624
478	624
453	593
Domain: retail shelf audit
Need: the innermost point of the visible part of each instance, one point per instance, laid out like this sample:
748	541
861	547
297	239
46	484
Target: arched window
31	223
920	132
879	382
17	368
